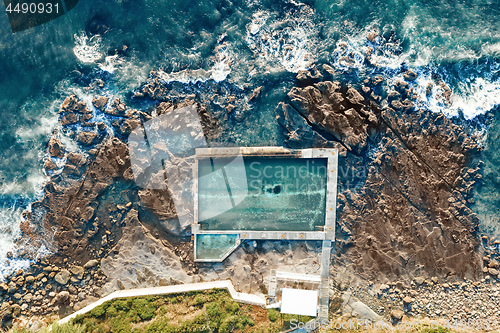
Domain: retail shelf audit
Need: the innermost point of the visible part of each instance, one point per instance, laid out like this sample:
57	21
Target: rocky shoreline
49	289
404	206
407	208
444	299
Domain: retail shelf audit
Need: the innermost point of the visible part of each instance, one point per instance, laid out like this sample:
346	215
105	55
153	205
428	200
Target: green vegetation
273	314
208	311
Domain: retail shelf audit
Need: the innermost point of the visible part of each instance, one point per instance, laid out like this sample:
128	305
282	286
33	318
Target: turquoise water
222	50
214	246
283	194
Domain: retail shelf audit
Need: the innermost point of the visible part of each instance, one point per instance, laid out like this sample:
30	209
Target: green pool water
214	246
284	194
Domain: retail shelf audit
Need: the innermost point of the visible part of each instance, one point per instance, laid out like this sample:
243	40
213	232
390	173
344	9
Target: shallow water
229	48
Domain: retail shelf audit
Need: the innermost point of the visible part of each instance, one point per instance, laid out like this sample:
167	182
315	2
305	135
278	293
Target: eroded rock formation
409	213
92	197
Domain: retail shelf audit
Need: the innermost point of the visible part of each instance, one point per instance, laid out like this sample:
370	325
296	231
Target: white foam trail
218	72
185	76
10	218
477	97
473	97
111	63
491	49
88	50
128	72
223	61
289	40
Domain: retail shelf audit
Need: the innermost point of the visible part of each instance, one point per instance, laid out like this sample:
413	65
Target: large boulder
63	277
77	271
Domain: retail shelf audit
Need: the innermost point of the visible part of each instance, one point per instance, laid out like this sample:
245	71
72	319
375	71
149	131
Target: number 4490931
33	8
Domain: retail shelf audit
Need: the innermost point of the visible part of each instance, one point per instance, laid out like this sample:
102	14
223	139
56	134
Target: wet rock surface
409	212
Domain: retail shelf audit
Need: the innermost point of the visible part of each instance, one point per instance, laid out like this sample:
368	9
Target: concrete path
324	289
181	288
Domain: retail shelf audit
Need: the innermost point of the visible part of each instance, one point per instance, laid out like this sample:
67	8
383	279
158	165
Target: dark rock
100	102
410	75
62	277
255	94
56	148
308	76
63	298
396	316
87	138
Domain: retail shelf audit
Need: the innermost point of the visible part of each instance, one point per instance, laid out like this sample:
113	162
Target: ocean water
225	49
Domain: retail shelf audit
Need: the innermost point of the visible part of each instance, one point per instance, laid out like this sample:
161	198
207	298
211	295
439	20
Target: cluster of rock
88	203
326	114
77	119
342	113
425	299
411	210
432	298
89	196
47	288
224	100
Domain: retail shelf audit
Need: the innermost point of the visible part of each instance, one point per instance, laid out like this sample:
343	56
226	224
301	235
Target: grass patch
205	311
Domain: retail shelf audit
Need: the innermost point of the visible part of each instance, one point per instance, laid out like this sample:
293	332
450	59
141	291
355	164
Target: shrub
122	305
228	324
98	312
120	325
111	311
144	308
232	307
213	311
68	328
198	299
273	314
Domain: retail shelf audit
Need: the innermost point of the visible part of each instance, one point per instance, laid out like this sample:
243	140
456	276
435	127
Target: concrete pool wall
322	232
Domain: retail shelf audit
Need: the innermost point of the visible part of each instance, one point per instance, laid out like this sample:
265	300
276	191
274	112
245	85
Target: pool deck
326	233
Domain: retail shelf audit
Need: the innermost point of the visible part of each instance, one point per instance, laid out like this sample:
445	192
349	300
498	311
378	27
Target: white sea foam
111	63
88	50
128	72
185	76
223	61
221	68
472	97
10	218
287	39
491	49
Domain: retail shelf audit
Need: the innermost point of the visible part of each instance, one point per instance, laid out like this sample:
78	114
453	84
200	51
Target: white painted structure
299	302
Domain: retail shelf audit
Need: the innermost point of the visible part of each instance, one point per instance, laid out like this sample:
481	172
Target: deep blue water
232	47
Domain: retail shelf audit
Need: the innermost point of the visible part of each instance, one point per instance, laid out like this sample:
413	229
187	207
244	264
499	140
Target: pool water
215	246
281	194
